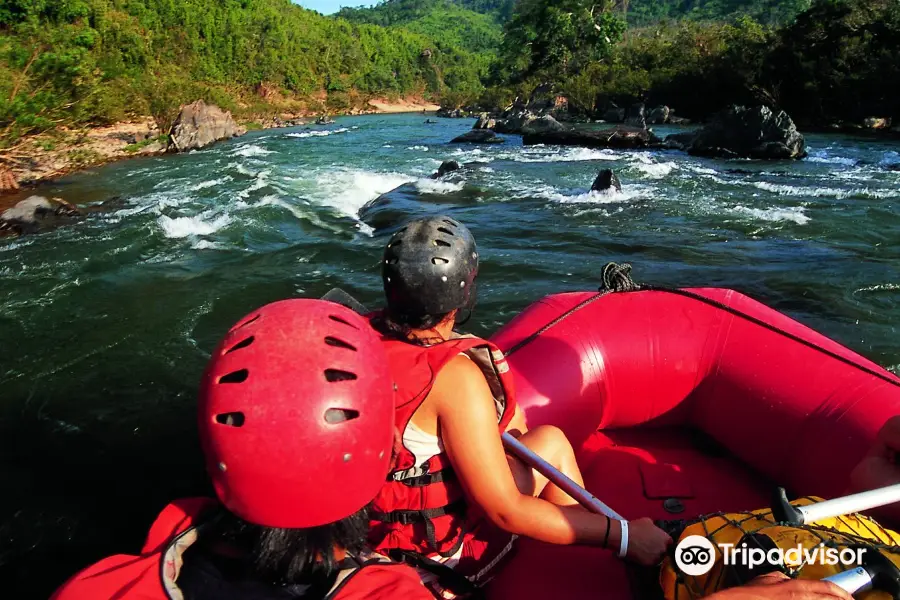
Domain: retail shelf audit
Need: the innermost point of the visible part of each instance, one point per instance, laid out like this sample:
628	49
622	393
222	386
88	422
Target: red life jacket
153	575
421	508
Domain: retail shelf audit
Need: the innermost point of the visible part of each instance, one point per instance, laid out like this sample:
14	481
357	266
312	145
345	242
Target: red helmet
297	415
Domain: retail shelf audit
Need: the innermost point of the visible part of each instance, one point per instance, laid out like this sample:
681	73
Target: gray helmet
429	267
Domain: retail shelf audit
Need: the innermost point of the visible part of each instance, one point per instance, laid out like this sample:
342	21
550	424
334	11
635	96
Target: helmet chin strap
460	322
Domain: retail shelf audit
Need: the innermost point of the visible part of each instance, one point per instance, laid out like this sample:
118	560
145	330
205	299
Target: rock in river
478	136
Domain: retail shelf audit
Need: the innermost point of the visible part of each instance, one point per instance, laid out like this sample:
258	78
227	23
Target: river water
105	326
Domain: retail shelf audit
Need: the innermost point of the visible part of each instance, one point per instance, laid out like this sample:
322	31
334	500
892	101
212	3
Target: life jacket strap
447	578
408	517
427	516
429	478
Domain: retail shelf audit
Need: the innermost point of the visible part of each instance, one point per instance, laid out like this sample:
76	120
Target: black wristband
608	527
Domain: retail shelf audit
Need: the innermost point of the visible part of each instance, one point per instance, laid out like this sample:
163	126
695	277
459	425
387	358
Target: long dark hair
401	326
291	556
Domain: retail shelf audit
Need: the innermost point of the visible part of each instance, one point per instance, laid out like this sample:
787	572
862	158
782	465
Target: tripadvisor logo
695	555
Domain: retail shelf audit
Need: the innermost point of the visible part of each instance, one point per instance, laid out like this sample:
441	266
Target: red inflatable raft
683	403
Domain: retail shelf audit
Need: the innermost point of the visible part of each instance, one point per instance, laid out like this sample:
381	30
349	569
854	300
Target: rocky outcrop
614	115
430	122
485	121
679	141
448	166
877	123
515	122
478	136
35	213
636	117
454	113
741	132
325	120
543	124
201	124
659	115
606	179
617	137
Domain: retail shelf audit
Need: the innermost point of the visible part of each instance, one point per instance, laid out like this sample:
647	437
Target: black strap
427	516
447	578
428	478
407	517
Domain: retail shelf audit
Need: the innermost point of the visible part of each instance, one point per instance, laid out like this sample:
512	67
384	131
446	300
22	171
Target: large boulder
542	125
606	179
636	116
659	115
617	137
757	132
448	166
485	121
614	115
515	123
201	124
679	141
478	136
34	213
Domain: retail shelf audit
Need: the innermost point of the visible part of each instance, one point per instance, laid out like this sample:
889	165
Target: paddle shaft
850	504
558	478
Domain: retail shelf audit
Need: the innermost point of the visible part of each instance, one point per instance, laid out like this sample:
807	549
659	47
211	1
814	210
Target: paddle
560	479
784	512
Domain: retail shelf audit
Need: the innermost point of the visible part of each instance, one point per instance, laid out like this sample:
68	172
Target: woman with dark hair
296	423
454	497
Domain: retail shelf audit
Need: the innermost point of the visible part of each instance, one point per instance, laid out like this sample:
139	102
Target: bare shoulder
462	383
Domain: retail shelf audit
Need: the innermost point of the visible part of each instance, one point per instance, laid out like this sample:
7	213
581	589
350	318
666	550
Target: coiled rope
617	279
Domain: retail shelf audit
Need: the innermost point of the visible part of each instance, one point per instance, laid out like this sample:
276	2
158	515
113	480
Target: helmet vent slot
239	345
339	415
239	376
450	223
342	320
247	322
232	419
443	243
334	375
437	260
445	230
333	341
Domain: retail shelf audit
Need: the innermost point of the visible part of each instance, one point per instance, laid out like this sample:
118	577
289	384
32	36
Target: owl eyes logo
695	555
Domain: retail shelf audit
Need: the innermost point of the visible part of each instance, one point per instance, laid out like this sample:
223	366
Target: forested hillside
643	12
94	61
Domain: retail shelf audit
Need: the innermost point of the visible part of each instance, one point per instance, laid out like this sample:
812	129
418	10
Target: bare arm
468	426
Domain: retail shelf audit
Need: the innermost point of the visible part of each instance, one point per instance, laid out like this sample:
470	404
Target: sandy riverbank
43	158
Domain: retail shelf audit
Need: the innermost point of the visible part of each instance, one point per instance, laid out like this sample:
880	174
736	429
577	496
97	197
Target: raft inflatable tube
682	403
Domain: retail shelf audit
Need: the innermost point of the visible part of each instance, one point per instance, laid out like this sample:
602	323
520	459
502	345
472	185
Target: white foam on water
824	192
700	170
310	134
182	227
822	156
420	148
881	287
387	146
432	186
262	180
348	190
206	245
890	157
795	214
610	196
241	169
251	150
652	169
211	183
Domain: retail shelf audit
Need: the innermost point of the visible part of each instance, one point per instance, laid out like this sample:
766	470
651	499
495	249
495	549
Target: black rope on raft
616	278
